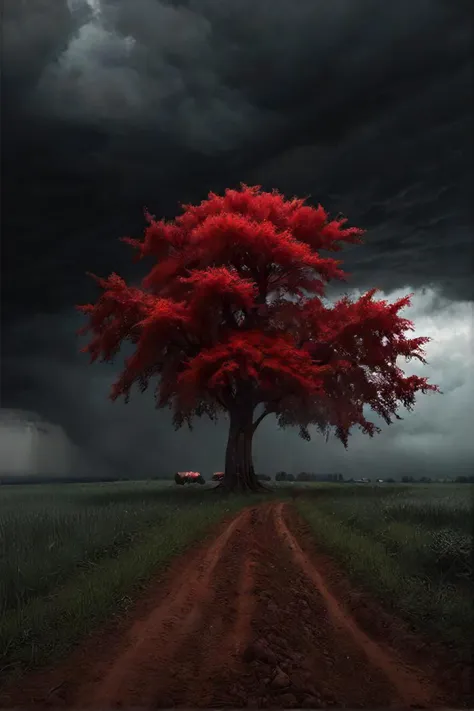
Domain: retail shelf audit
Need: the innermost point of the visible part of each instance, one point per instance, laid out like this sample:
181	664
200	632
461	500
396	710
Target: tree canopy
232	318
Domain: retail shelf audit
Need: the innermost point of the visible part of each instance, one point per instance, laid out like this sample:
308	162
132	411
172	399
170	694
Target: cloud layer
117	104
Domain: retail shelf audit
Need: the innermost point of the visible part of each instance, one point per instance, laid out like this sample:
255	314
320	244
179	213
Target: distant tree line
279	476
429	480
307	476
284	476
53	479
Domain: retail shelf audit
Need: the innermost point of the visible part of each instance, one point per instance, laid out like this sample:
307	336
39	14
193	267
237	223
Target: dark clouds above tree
109	106
114	104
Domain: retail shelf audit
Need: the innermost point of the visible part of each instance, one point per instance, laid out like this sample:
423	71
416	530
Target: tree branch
259	419
221	402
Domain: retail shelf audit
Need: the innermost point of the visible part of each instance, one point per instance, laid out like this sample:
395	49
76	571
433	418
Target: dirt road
253	618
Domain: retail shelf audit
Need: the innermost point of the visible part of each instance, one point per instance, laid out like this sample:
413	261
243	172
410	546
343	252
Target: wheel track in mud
245	620
410	688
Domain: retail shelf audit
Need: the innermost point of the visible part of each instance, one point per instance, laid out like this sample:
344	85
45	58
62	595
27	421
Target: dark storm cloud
109	106
112	105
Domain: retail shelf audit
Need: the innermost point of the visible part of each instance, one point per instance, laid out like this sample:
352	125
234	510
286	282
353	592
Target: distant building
29	445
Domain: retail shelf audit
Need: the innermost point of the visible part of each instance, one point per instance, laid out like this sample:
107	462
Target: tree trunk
239	473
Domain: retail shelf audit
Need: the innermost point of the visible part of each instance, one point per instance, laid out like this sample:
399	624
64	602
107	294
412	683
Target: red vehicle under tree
182	478
231	319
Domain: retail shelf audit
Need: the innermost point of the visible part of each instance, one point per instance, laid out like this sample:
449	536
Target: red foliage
231	317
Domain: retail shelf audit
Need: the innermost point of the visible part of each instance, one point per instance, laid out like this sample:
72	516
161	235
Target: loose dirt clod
280	679
260	650
247	620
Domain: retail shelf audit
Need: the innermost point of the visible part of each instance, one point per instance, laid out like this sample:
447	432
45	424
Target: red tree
232	319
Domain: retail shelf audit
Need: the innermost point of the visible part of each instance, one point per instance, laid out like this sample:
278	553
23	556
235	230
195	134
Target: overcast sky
111	106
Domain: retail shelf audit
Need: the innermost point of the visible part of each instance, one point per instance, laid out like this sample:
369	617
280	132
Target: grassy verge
80	576
411	549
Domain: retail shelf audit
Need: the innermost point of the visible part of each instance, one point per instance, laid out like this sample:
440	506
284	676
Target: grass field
74	555
412	546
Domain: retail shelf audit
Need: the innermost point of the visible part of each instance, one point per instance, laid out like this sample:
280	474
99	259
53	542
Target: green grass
73	555
411	546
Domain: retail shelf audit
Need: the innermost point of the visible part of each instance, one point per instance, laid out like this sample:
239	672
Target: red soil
254	618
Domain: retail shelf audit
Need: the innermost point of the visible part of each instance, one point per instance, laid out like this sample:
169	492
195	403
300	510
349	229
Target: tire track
410	688
141	670
209	663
